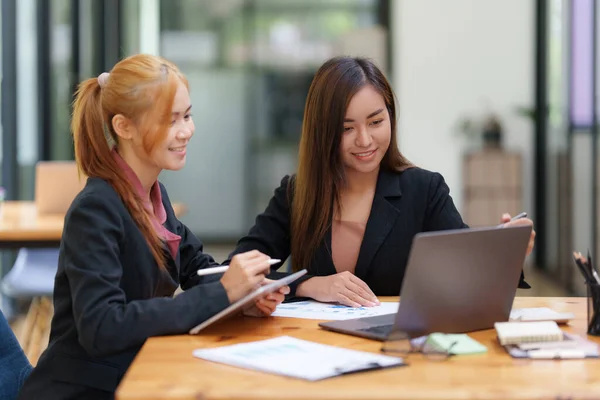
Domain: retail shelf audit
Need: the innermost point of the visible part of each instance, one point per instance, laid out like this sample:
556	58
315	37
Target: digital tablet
238	305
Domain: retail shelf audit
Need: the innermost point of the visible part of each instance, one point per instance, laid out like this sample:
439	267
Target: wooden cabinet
492	185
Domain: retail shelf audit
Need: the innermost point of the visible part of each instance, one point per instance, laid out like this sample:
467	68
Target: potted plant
487	130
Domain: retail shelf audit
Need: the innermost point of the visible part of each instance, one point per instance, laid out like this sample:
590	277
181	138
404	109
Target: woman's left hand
265	306
521	221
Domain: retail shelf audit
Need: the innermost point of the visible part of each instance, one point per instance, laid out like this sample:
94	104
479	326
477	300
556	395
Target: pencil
579	262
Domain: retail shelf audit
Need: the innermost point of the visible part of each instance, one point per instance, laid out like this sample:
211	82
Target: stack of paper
570	347
543	339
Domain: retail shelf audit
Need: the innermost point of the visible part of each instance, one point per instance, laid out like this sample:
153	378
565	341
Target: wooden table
22	226
165	368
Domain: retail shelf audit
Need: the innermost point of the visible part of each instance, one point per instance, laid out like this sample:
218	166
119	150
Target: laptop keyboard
383	330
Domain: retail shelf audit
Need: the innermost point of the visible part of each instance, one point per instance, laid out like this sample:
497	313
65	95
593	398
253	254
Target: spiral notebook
527	332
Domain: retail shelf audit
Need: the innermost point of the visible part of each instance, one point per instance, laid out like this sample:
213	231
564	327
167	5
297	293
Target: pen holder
593	309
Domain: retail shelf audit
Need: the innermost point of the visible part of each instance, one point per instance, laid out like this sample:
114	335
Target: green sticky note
463	344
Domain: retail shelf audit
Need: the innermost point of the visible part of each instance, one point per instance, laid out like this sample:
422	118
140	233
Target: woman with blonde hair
123	252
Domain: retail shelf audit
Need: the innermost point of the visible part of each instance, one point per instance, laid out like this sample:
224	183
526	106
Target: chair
56	185
32	276
14	366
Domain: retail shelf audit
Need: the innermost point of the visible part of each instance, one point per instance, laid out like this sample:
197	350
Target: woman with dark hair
350	213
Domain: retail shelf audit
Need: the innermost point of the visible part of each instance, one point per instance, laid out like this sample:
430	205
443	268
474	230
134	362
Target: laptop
456	281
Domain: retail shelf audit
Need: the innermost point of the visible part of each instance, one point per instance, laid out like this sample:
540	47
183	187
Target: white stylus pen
223	268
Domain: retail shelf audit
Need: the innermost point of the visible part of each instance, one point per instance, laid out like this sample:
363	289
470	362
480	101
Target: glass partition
250	64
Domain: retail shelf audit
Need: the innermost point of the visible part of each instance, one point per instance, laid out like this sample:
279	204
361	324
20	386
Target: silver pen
516	217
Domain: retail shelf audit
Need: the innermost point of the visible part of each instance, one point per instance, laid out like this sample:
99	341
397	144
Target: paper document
539	314
331	312
297	358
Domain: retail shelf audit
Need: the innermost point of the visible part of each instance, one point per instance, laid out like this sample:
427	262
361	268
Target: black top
405	203
110	296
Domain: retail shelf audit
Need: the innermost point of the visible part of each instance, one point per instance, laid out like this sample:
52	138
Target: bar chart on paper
331	312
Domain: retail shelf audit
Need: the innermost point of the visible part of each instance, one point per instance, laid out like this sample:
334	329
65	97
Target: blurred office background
497	95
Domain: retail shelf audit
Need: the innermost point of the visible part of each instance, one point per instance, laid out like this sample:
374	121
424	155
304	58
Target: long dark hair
316	187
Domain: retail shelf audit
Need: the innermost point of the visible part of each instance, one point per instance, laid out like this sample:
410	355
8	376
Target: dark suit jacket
110	296
405	204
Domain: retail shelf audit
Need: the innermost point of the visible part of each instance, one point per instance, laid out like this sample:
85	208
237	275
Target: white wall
452	57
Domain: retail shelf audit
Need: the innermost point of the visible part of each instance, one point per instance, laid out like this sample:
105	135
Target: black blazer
405	204
110	296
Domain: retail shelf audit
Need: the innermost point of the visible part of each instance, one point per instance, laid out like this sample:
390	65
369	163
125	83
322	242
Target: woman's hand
521	221
344	288
265	306
246	272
